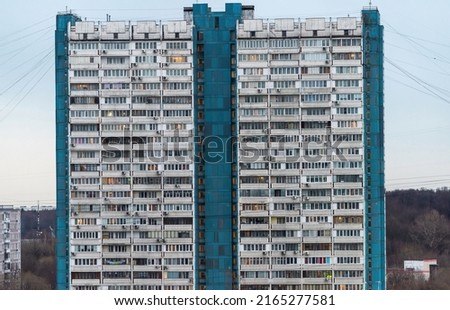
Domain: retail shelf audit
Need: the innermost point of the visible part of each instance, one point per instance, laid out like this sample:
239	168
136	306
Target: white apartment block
141	206
10	247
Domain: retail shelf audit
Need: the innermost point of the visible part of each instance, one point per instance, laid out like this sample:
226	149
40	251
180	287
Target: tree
432	230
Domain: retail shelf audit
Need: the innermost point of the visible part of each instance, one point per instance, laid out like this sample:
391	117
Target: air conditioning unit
156	267
260	90
165	213
306	184
327	61
74	187
74	52
295	252
306	198
104	52
305	253
73	253
133	78
136	226
159	240
278	90
283	252
144	52
155	51
294	197
166	64
158	199
78	227
123	226
333	89
75	213
134	64
165	267
72	144
128	213
139	78
105	199
164	78
124	173
177	185
264	253
159	172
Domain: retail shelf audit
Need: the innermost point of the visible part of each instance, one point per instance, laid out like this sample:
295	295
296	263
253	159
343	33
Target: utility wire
27	93
27	46
37	65
419	81
26	28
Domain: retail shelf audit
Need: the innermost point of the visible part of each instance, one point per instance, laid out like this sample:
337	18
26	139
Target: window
144	72
349	97
315	42
347	70
177	59
252	44
316	98
284	84
315	70
252	57
116	60
284	43
347	56
115	100
314	84
115	46
284	70
85	86
145	45
84	46
146	59
177	45
85	73
314	56
176	72
115	73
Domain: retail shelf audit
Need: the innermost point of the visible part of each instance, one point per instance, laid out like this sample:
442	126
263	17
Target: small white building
422	268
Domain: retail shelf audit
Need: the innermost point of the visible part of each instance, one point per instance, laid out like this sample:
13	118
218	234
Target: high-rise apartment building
10	250
221	151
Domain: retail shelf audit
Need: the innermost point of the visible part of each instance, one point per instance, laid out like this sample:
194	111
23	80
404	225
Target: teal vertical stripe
213	31
375	273
62	156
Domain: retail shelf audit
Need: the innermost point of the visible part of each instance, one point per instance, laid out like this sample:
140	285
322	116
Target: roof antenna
370	3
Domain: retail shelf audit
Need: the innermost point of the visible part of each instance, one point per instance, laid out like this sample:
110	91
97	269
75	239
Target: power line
37	65
26	28
26	94
419	81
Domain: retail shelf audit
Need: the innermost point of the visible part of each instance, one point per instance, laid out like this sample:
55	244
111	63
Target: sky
417	89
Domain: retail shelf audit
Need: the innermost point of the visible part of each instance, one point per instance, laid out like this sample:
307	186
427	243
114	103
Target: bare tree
432	230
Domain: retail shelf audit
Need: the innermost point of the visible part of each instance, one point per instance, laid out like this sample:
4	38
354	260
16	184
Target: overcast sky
417	89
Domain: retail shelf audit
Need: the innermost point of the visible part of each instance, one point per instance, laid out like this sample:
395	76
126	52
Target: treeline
38	250
417	228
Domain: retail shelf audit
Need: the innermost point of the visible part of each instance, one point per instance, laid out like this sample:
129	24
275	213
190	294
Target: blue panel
62	156
214	35
375	250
